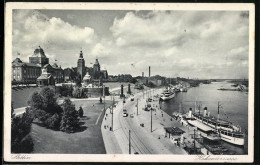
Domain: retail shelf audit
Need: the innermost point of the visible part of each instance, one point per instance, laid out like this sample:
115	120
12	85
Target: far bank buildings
39	71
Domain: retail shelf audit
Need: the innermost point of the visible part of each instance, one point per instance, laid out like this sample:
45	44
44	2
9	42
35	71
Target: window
14	70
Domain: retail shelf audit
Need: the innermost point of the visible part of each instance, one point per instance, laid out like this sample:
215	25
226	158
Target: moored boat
227	130
167	95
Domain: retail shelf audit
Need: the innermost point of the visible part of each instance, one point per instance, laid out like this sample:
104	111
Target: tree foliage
36	101
21	141
70	120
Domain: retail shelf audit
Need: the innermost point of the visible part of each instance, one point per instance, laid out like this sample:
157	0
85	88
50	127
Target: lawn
88	141
20	95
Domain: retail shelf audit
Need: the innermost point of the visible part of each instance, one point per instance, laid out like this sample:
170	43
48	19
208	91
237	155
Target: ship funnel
190	112
205	111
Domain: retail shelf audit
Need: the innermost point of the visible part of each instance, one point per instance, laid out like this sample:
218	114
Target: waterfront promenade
143	141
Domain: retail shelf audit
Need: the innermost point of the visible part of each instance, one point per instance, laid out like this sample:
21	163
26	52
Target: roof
213	119
38	52
200	125
55	65
44	77
174	130
18	62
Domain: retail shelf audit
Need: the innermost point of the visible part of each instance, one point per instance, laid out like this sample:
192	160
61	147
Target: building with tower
95	72
39	57
31	73
81	65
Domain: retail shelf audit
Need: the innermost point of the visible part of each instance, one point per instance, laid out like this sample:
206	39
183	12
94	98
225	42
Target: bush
21	141
80	112
48	98
36	101
70	120
53	122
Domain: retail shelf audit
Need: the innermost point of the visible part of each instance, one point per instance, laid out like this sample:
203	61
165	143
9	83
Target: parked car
124	110
132	116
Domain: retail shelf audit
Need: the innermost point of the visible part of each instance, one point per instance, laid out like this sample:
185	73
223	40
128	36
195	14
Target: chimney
205	111
142	74
149	71
190	112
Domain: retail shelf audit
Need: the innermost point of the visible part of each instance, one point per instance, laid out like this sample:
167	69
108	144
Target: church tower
96	70
81	65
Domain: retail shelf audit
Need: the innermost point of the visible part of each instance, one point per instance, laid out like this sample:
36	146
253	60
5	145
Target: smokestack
149	71
142	74
205	111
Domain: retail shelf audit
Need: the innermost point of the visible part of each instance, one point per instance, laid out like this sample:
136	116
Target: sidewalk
144	140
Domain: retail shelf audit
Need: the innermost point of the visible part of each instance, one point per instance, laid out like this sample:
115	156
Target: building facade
39	57
95	72
23	72
81	65
28	73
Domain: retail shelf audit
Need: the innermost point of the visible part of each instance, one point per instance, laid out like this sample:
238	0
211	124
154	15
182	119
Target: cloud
201	44
31	28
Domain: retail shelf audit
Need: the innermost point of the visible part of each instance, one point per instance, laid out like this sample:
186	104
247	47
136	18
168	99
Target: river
234	103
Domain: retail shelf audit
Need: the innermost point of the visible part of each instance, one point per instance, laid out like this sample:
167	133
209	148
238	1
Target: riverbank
143	140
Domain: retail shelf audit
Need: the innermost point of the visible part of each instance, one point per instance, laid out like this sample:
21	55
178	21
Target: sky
194	44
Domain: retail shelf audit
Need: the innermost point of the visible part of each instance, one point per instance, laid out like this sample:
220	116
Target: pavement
142	140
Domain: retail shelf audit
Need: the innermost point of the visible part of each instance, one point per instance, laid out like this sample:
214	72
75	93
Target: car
125	114
132	116
124	110
132	99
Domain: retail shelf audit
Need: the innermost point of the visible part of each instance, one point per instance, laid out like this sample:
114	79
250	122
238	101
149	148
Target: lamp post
112	115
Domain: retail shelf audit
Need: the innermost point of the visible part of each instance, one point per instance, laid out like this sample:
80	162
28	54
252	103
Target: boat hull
232	140
164	98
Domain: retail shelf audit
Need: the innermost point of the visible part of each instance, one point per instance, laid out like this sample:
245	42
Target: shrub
80	112
21	141
53	122
48	98
70	120
36	101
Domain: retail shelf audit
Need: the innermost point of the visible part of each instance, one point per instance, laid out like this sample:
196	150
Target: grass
20	95
88	141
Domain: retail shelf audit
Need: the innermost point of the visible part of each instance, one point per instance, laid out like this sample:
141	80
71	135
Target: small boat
233	137
167	95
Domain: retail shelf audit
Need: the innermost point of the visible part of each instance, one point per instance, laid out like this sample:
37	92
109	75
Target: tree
48	98
53	122
21	141
80	112
70	120
36	101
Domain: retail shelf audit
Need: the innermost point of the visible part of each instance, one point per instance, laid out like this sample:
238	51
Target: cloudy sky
195	44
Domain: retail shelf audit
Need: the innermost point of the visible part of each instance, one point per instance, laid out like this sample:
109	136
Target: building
95	72
81	65
25	73
39	57
45	79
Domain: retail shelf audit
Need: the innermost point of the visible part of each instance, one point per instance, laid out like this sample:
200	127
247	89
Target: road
142	141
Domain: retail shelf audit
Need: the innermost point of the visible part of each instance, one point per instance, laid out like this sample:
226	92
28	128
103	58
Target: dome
87	77
39	52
